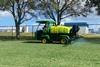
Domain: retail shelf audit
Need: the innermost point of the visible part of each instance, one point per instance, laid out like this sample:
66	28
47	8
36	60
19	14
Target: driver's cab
43	27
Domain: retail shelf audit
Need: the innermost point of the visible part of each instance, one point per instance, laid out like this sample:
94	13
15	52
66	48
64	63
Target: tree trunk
58	19
58	13
17	31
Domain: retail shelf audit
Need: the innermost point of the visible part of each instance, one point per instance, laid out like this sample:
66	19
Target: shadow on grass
13	38
39	42
32	41
36	41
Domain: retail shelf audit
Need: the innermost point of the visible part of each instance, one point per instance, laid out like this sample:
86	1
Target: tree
60	9
1	4
19	10
94	3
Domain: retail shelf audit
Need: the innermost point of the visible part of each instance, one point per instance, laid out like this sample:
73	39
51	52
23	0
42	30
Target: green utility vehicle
50	32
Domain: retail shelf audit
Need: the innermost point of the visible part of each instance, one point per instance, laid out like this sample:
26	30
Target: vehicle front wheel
44	40
63	41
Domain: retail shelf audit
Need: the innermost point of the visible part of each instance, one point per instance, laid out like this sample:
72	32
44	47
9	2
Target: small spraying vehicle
51	32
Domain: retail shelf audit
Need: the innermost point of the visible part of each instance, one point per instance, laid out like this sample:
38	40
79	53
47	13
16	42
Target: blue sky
6	19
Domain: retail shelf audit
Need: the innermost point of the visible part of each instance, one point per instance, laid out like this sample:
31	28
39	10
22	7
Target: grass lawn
10	36
91	36
27	54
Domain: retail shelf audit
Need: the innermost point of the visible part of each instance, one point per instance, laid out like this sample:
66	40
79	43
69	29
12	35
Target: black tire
44	40
63	41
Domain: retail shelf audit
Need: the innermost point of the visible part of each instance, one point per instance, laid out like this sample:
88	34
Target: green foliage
1	2
94	3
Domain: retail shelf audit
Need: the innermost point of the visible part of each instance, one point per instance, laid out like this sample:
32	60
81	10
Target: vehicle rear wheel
44	40
63	41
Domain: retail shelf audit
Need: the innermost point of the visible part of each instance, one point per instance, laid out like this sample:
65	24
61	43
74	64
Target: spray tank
58	29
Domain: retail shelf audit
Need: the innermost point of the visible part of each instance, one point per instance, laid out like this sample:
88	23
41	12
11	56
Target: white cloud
4	13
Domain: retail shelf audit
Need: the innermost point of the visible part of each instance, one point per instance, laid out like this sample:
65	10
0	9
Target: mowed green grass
91	36
29	54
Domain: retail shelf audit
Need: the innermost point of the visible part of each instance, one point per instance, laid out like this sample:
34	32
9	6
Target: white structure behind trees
13	29
82	25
